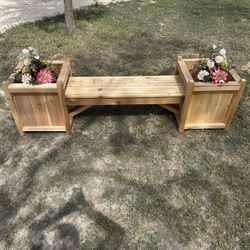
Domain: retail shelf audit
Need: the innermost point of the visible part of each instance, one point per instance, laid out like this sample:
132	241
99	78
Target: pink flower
219	76
44	76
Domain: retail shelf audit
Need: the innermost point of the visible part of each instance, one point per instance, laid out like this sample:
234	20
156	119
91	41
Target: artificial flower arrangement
36	71
216	68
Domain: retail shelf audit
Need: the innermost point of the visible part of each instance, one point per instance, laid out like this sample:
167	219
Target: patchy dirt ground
126	179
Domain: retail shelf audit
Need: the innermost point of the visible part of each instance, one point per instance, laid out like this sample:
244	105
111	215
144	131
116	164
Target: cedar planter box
40	107
207	105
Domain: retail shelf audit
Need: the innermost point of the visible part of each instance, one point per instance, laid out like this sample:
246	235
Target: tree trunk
69	17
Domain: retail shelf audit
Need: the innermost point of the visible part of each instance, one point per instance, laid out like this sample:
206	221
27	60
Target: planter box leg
234	104
13	108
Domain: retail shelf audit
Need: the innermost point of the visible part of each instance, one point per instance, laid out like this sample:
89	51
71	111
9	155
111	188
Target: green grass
165	190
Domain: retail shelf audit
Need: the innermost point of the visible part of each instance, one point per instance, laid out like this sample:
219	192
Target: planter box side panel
208	109
39	109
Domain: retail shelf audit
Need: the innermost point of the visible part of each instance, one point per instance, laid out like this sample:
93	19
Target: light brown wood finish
124	101
185	107
195	105
124	87
170	108
207	105
61	85
77	110
44	128
234	104
205	125
183	71
37	108
24	88
13	108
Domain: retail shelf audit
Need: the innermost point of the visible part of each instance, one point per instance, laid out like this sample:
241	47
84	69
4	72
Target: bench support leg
77	110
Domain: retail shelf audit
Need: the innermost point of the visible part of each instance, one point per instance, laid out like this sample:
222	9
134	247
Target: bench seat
124	90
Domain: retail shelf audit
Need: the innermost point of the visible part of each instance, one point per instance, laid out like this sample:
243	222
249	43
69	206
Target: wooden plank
58	62
235	75
205	126
170	108
208	107
215	88
78	110
61	85
53	109
13	108
124	87
234	104
25	88
185	106
64	74
127	79
183	71
191	63
40	111
122	101
25	109
43	128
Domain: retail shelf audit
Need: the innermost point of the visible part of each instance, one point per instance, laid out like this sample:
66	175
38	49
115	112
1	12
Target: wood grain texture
123	101
184	71
61	87
77	110
39	109
24	88
171	108
234	104
208	108
13	109
125	87
185	106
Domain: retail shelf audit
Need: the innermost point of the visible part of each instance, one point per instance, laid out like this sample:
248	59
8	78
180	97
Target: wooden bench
195	105
85	92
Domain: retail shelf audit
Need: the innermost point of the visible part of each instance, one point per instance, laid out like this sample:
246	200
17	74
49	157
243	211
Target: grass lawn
126	179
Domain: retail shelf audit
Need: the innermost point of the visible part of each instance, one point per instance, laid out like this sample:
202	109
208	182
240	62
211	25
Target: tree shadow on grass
66	235
186	222
9	207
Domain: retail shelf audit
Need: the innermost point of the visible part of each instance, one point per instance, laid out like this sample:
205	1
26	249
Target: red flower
219	76
45	76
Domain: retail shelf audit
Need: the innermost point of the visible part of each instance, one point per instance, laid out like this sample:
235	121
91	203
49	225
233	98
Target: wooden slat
25	88
234	104
205	126
208	107
235	75
191	63
43	128
13	109
205	87
170	108
64	73
25	109
61	85
78	110
53	108
123	101
183	70
185	106
124	87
